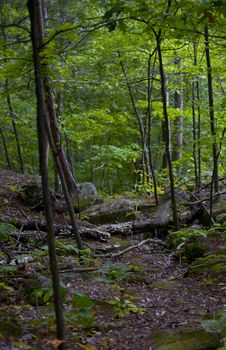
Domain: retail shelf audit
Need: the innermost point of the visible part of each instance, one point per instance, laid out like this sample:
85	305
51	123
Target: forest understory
156	289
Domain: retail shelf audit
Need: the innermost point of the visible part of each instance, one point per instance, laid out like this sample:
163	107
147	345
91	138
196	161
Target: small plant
66	248
84	314
5	230
111	273
218	324
185	235
123	307
188	243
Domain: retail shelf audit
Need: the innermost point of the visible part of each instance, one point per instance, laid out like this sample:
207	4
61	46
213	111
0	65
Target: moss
186	338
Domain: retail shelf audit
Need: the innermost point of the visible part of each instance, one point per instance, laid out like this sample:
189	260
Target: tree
35	13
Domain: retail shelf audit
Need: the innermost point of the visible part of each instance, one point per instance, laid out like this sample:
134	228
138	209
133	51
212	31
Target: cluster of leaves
113	272
123	307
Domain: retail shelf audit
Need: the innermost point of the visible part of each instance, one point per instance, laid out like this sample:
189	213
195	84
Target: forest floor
111	302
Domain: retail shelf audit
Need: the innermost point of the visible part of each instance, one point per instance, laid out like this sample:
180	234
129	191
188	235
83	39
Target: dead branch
121	252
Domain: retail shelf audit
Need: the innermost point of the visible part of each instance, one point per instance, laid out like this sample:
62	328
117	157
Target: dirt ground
132	296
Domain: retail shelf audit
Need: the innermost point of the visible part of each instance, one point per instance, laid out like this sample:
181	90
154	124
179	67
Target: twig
205	199
80	269
149	240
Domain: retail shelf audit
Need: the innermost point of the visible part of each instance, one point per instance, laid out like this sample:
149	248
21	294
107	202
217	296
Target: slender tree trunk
15	132
5	149
211	111
35	13
199	135
167	130
70	180
163	126
177	144
196	122
149	94
143	136
194	132
11	114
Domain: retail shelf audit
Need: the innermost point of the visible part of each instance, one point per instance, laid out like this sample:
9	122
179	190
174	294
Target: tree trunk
70	180
199	135
35	13
143	136
163	127
5	149
194	133
211	111
167	130
178	121
15	132
149	127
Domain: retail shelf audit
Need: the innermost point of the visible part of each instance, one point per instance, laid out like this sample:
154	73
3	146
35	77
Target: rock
219	206
120	210
189	243
88	196
220	219
209	265
31	193
185	338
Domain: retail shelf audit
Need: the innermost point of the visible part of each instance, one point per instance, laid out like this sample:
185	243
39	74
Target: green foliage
36	295
112	273
84	315
69	249
212	264
5	287
218	324
9	324
185	235
8	269
5	229
188	243
123	307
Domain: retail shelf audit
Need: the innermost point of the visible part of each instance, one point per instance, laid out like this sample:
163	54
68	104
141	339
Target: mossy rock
188	243
120	210
185	338
31	193
210	264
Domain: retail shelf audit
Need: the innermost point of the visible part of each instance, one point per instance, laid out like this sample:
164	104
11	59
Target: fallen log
86	231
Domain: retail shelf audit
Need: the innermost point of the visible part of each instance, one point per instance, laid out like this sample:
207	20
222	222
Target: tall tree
36	19
167	131
211	110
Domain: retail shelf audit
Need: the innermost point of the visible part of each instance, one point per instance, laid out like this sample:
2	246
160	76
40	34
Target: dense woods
128	98
116	71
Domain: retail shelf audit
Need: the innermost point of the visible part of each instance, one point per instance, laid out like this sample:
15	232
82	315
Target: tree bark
5	149
194	133
149	127
35	13
211	110
177	143
143	137
15	131
69	178
167	130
